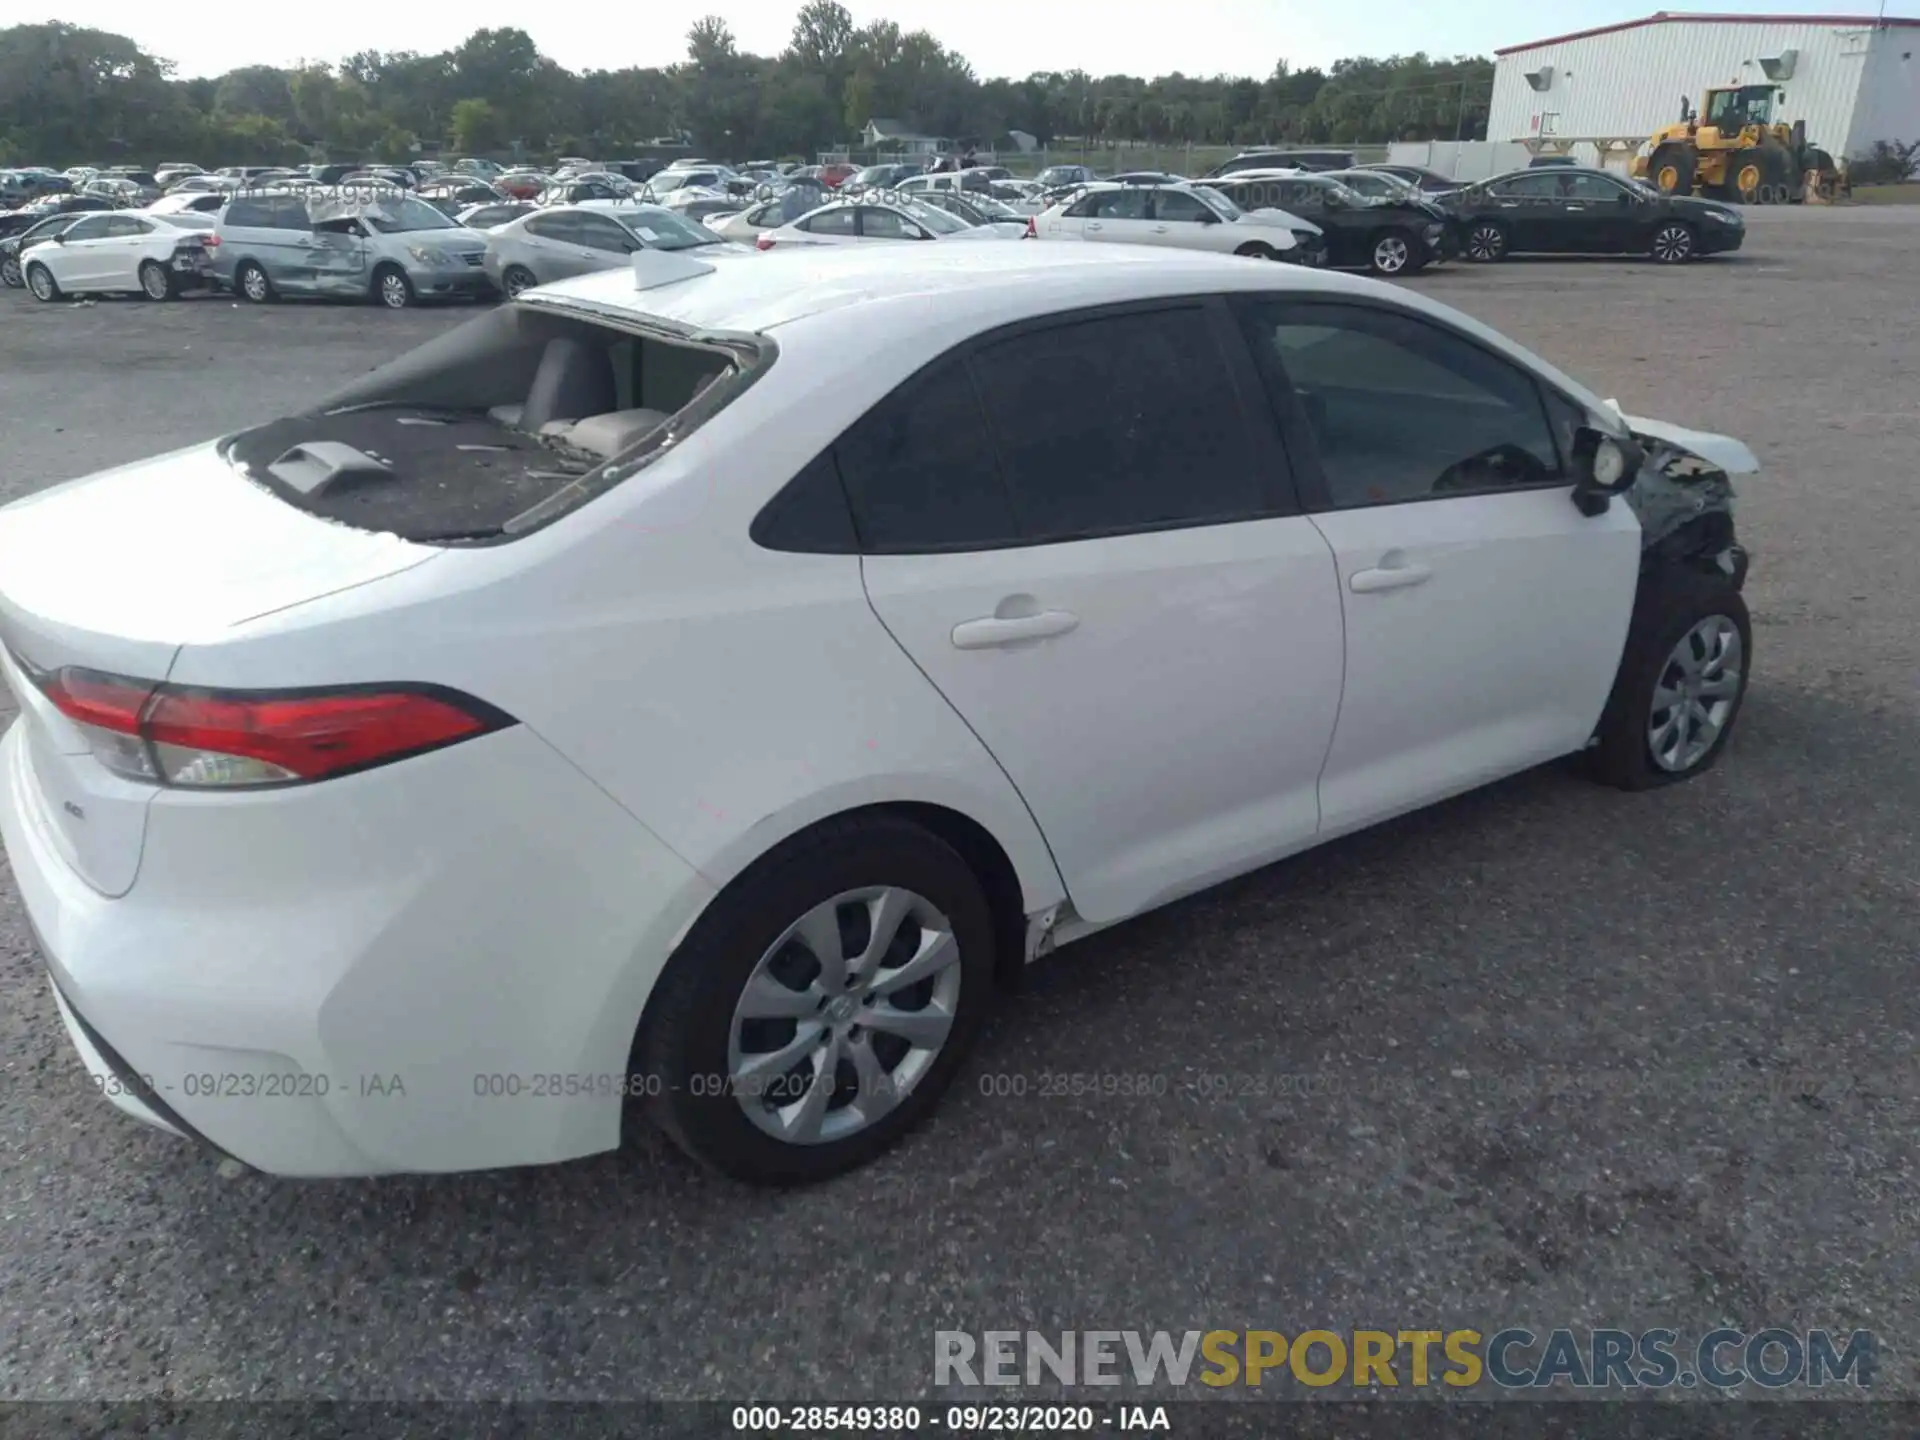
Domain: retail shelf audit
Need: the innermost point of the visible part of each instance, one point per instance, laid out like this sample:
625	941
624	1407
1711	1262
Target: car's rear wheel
515	279
392	288
820	1006
252	283
10	275
156	282
41	284
1673	243
1394	253
1486	242
1683	675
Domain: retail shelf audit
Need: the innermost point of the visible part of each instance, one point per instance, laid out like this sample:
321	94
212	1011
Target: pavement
1546	1055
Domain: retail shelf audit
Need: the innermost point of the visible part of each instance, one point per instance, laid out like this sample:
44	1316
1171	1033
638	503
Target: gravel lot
1546	1055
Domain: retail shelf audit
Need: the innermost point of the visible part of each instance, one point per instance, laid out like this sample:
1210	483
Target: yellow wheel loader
1737	151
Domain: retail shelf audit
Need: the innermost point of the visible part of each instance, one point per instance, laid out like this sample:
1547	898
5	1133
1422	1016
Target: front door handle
1159	229
1095	225
1388	577
1011	630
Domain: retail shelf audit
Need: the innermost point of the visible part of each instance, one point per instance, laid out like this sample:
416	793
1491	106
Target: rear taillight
1033	229
765	242
213	242
201	739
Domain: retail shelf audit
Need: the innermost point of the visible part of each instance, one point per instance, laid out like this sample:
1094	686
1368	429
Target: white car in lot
120	251
693	689
870	218
1178	216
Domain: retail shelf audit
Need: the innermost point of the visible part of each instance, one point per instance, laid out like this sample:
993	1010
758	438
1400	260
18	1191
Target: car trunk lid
114	573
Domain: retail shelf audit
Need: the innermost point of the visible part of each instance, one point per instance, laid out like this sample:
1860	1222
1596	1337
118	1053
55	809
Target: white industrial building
1853	79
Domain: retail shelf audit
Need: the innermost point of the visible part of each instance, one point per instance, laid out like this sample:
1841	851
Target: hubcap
844	1015
42	286
156	284
1673	244
1486	244
10	271
394	291
516	282
1695	694
256	285
1390	254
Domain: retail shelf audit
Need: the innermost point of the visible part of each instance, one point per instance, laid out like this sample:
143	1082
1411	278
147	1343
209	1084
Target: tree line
70	95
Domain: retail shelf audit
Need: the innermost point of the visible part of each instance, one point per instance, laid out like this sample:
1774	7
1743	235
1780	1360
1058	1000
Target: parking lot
1546	1055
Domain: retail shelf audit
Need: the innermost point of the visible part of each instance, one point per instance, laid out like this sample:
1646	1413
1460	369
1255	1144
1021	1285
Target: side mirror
1604	465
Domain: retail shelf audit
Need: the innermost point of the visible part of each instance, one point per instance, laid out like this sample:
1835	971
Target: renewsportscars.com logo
1510	1359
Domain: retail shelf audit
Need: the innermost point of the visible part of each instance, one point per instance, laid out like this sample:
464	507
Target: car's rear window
496	426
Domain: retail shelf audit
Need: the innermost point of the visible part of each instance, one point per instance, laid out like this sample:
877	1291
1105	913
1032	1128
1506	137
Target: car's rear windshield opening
457	440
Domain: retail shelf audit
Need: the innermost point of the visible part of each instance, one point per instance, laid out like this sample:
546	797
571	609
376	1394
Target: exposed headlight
1725	217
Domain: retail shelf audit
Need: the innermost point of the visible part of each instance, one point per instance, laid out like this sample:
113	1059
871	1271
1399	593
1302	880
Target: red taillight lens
1033	228
765	242
220	739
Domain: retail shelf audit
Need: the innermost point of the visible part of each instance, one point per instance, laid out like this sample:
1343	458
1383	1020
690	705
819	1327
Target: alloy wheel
394	293
40	283
153	281
516	281
1390	256
1487	242
254	283
1672	244
844	1014
10	273
1695	694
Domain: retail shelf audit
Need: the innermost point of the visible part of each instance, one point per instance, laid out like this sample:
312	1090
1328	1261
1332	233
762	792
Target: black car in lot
1283	160
13	222
44	228
1388	237
1578	210
1429	182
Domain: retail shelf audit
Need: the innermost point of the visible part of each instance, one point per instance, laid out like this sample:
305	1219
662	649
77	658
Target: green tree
475	127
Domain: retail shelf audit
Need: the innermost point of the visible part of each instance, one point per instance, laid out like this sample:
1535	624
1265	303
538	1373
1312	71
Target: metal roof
1663	17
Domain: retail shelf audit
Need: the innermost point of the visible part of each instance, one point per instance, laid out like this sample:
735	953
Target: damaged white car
695	690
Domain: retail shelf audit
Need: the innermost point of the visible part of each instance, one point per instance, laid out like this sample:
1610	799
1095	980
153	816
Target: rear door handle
986	633
1159	229
1393	577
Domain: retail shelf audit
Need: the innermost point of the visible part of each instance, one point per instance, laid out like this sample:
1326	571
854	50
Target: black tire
250	283
156	281
10	275
1673	243
1395	252
516	278
1678	161
391	288
1486	242
685	1035
1254	250
41	284
1672	601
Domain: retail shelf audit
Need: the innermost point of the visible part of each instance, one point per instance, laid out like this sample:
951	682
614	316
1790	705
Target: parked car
188	202
1390	237
13	222
863	219
1431	182
1056	177
488	170
1186	217
552	244
881	177
782	208
122	192
975	209
1566	210
835	175
23	187
496	212
19	241
1540	162
384	245
331	174
1147	177
523	184
572	192
381	175
794	702
1368	184
709	178
450	197
118	252
205	185
1284	159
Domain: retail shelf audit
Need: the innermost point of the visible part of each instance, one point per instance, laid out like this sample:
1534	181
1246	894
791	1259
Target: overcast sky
999	37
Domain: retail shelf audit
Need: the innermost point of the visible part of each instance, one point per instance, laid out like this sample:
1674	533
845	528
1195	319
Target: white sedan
704	685
122	251
1176	216
868	218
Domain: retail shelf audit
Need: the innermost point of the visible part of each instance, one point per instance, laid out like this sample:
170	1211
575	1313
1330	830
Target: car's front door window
1400	409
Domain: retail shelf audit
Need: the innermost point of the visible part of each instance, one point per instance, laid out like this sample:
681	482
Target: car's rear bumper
434	966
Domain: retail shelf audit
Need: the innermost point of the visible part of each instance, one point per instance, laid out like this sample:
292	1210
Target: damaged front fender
1683	495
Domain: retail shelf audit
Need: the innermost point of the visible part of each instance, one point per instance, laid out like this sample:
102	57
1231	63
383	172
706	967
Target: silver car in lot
557	241
346	242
